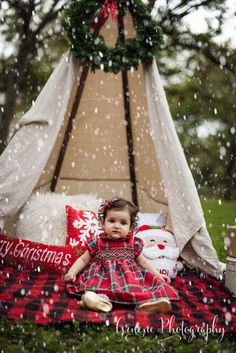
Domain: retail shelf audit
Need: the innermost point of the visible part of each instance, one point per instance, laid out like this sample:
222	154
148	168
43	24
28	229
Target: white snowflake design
88	226
73	242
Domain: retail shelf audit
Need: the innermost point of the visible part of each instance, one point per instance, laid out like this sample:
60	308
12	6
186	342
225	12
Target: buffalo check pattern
40	297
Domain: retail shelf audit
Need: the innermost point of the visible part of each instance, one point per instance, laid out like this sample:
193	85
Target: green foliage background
199	77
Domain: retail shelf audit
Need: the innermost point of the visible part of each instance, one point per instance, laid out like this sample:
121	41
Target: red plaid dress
115	272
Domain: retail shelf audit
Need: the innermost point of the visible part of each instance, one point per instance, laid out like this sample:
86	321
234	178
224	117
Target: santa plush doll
161	249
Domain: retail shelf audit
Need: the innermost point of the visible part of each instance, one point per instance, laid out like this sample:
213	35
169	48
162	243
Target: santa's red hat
148	231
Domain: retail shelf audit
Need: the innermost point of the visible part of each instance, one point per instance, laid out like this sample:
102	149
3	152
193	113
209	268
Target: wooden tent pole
69	127
129	134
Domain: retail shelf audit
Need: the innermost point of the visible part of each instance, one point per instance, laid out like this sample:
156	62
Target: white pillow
43	218
152	219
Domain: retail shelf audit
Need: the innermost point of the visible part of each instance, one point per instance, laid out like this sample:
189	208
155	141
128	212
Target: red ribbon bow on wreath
110	6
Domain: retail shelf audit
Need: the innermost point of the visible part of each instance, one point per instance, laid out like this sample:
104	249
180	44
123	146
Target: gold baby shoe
161	305
96	302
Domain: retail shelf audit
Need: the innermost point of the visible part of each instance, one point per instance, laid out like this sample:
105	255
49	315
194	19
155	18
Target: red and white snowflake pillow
82	225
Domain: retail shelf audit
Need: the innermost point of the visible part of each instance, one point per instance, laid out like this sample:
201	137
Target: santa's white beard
154	252
165	261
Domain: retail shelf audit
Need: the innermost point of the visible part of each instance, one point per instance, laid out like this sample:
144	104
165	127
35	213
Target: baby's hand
165	278
69	276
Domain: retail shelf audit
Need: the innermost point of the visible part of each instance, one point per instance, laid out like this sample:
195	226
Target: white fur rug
43	218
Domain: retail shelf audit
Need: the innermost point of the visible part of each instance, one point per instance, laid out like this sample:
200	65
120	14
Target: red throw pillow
82	225
16	251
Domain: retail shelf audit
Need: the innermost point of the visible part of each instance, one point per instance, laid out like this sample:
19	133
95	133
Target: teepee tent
109	134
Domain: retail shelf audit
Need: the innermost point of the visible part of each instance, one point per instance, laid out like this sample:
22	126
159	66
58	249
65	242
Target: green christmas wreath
92	50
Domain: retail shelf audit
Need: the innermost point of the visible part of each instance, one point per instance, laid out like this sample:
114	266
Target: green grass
80	337
94	338
219	215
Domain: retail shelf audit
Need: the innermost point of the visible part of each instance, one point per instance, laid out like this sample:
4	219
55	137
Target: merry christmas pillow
81	227
28	254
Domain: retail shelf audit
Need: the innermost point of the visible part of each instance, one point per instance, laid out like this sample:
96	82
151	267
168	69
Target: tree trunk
229	171
16	77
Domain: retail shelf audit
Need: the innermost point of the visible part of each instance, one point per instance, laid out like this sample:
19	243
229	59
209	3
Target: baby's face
117	224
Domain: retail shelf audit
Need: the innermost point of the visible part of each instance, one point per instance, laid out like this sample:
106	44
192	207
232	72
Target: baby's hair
118	203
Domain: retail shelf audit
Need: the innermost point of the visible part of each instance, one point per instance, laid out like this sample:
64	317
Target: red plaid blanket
205	304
